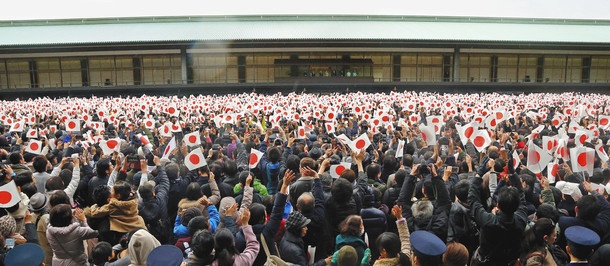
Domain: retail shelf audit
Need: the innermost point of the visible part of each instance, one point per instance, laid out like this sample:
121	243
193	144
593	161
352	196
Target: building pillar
456	65
183	66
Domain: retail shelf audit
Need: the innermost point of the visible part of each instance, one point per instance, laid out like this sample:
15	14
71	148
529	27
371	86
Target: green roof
309	27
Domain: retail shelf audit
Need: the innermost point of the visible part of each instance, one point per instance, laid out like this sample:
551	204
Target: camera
216	147
133	158
455	169
275	131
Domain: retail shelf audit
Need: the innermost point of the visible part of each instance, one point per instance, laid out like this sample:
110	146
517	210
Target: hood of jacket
344	239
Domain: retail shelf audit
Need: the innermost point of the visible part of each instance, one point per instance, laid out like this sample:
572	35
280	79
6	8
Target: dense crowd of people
305	179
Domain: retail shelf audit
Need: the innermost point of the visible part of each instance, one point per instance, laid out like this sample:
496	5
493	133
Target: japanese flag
17	127
481	140
149	123
361	142
344	140
537	158
580	138
549	144
562	149
330	128
427	133
32	133
516	159
337	169
436	122
229	119
144	140
165	130
330	115
111	145
300	133
603	121
176	127
86	117
9	195
172	110
192	139
491	122
195	159
255	157
34	146
601	152
582	159
552	172
171	145
401	149
72	125
466	132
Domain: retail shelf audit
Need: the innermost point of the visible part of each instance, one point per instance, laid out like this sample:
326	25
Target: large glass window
475	68
574	70
71	73
408	68
215	68
527	68
3	76
161	69
600	69
554	68
507	68
18	73
430	68
49	73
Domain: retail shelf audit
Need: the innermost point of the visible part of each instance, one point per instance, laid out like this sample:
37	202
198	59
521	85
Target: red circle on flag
331	115
582	139
411	107
71	125
414	118
549	145
253	158
171	110
328	127
360	144
301	132
499	115
468	132
493	123
112	144
479	141
555	169
175	127
5	197
339	169
376	122
424	136
17	125
603	121
555	122
192	139
534	157
166	150
149	123
194	159
435	128
385	118
435	120
582	159
34	146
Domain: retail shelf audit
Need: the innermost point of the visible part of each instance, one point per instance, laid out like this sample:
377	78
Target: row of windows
258	68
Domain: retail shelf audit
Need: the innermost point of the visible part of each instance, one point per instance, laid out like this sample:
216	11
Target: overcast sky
55	9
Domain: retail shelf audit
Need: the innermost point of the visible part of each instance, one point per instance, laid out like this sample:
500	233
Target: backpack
273	174
465	229
365	197
159	229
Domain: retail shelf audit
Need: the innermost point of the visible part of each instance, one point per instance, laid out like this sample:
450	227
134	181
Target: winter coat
124	216
67	244
346	240
292	249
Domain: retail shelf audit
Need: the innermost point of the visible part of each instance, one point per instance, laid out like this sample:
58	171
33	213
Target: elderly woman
351	231
66	238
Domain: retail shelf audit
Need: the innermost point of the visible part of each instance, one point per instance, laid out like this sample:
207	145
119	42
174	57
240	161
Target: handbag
272	260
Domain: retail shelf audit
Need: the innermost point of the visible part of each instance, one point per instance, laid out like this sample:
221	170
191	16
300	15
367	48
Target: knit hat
140	245
7	225
296	220
38	202
165	255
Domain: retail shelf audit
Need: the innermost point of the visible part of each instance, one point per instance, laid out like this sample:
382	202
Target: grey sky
55	9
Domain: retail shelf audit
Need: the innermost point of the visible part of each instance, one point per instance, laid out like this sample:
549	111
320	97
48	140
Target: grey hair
422	210
306	201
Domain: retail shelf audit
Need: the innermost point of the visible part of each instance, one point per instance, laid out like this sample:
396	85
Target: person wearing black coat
153	207
311	205
500	231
